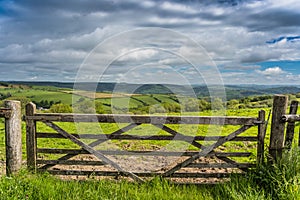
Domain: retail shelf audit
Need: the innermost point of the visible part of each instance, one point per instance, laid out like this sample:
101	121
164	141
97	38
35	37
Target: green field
37	95
280	181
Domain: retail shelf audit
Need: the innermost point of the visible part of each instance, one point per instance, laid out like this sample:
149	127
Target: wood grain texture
261	137
278	126
31	143
13	137
290	129
143	119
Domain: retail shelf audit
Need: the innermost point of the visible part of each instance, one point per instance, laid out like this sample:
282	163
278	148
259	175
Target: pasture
281	181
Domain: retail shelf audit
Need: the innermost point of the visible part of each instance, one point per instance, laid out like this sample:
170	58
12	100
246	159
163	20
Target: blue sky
246	41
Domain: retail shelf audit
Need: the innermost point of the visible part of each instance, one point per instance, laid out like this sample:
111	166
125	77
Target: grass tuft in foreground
278	181
43	186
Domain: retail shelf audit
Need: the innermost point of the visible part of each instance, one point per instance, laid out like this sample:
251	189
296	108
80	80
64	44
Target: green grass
27	186
38	95
164	98
281	181
107	128
278	181
148	130
137	101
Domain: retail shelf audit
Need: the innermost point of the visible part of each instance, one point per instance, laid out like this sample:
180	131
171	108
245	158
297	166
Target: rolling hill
232	91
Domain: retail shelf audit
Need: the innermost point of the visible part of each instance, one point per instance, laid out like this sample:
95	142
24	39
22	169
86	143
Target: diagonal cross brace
206	150
174	133
118	132
194	143
93	144
92	151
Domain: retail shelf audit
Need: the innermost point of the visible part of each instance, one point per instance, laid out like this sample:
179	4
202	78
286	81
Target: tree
203	105
157	108
85	106
171	107
191	105
233	104
99	107
61	108
217	104
88	106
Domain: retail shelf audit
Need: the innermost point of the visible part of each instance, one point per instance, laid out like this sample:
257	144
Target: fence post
261	136
31	137
13	137
291	126
278	126
299	138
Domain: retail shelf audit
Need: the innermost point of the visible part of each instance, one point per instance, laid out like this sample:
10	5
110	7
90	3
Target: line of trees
174	105
182	105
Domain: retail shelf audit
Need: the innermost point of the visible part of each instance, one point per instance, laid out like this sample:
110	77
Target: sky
178	42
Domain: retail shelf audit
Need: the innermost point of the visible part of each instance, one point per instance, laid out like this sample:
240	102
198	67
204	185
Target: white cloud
137	54
291	4
147	4
176	7
58	35
272	71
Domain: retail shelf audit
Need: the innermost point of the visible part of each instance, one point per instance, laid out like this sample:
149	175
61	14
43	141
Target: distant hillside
232	91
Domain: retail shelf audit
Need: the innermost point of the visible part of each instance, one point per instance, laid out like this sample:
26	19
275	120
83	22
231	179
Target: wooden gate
206	156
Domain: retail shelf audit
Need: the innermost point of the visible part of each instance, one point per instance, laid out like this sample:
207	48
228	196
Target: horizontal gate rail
143	119
5	112
140	174
150	153
92	151
205	151
207	146
145	137
290	118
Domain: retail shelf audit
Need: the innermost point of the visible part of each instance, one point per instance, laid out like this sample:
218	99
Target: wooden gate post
31	137
278	126
13	137
290	129
261	136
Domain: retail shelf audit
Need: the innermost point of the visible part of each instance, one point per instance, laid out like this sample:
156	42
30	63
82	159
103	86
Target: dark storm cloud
269	20
58	19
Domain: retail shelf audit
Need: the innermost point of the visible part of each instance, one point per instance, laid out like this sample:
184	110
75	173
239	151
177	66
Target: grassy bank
279	181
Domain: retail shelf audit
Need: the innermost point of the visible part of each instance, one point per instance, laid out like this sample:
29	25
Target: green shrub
60	108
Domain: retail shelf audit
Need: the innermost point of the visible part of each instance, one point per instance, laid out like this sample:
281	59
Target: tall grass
280	180
44	186
277	181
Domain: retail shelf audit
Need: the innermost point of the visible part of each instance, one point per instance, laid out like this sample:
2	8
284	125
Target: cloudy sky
243	41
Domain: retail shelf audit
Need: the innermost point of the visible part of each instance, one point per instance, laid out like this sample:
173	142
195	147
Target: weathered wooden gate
206	152
13	136
283	126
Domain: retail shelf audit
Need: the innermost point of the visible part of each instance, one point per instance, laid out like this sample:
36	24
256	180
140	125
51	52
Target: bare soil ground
154	164
150	164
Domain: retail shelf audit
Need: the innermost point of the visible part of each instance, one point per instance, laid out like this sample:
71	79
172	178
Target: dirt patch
148	164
